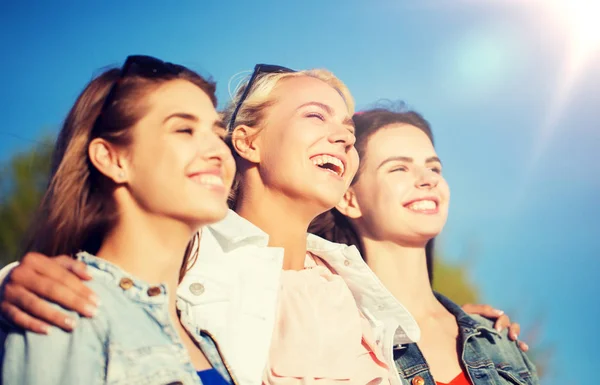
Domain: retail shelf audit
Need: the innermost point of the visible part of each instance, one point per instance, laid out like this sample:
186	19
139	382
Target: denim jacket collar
134	288
468	324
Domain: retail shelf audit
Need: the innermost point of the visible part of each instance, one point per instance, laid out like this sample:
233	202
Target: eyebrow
348	121
182	115
408	159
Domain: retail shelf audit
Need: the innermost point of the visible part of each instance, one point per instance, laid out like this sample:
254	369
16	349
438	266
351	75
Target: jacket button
418	380
154	291
126	283
197	288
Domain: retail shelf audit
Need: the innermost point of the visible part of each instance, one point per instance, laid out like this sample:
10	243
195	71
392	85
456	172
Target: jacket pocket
149	365
512	376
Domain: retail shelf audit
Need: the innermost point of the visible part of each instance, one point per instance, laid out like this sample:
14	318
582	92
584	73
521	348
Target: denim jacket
487	356
131	340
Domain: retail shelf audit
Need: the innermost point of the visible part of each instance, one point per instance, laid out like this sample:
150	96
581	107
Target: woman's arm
31	287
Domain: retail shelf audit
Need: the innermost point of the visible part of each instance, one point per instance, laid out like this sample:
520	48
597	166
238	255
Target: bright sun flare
581	18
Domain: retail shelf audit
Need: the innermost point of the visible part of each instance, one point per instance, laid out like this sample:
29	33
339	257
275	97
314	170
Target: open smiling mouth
329	163
426	206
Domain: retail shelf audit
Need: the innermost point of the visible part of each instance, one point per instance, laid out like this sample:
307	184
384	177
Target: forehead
399	140
295	91
181	96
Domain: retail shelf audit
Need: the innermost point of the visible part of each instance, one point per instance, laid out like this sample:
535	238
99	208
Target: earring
121	175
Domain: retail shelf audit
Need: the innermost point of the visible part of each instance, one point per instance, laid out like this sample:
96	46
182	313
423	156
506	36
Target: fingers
62	269
77	267
22	320
502	323
483	310
514	329
32	313
39	279
49	279
523	346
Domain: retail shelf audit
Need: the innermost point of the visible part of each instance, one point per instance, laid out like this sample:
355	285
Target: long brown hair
335	226
78	209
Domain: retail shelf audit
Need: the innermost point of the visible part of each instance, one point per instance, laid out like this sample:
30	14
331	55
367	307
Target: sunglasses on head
258	70
143	66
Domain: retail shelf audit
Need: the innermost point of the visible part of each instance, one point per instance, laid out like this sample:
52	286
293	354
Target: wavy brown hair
335	226
78	209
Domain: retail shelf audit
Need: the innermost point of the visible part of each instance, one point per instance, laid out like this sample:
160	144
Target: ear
243	139
108	160
348	205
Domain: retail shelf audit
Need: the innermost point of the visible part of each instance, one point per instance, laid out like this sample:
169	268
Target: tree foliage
23	180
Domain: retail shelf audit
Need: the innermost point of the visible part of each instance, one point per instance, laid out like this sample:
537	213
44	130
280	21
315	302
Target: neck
150	248
403	271
282	218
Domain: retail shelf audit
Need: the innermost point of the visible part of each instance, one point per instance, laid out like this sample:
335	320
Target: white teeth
210	179
422	205
320	160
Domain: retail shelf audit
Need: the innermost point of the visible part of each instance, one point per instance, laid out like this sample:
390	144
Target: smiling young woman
396	205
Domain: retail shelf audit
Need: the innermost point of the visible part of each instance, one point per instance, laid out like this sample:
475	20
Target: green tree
23	180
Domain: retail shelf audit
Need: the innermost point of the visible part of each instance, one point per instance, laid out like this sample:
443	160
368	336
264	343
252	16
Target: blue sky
517	132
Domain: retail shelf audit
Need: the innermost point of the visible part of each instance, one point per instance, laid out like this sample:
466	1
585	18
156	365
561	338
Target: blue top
131	340
211	377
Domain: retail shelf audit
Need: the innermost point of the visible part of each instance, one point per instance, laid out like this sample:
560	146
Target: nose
426	179
342	136
215	150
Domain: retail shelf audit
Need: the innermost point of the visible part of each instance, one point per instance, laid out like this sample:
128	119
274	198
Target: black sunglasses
143	66
258	69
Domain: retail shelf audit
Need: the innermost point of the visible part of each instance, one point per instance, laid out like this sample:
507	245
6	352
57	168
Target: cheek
229	170
353	162
444	190
160	162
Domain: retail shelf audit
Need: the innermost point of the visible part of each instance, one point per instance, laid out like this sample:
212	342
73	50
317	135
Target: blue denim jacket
130	341
487	356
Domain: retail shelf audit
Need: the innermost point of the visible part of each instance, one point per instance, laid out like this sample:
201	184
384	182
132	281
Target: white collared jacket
231	291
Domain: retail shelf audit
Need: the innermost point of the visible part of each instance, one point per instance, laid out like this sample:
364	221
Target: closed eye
186	130
400	168
317	115
437	170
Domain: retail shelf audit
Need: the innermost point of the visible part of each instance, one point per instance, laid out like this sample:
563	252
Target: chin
208	215
328	200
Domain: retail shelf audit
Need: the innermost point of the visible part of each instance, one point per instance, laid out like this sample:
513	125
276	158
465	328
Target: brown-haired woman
396	205
139	166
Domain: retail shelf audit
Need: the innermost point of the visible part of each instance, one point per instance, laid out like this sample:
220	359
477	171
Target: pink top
320	335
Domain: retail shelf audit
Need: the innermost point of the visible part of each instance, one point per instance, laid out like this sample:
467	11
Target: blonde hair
251	112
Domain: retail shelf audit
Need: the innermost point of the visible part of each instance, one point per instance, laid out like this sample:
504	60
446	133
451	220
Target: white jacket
231	291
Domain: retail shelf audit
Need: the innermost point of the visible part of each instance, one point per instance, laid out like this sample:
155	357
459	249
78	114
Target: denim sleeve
59	358
4	273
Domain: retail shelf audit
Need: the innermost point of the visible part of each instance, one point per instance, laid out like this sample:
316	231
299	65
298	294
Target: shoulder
504	352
